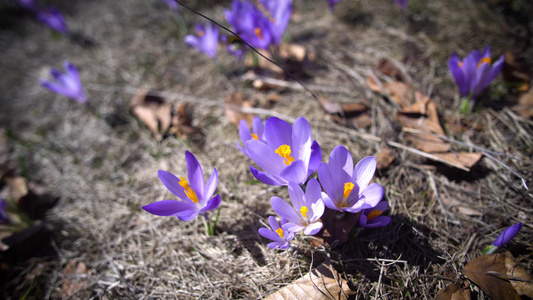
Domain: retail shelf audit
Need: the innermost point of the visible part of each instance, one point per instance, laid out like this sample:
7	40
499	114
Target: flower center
285	152
460	64
279	231
348	187
188	191
201	33
254	136
257	32
373	214
304	211
484	60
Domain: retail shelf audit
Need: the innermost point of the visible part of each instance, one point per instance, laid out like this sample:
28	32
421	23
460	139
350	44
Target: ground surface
103	174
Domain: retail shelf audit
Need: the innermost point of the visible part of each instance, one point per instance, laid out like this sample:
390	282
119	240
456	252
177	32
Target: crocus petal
295	172
328	182
328	202
212	204
284	210
211	185
301	139
313	229
172	183
317	210
296	195
195	174
458	74
294	227
315	159
507	235
188	215
53	87
258	127
265	157
364	171
372	195
378	222
192	40
244	131
167	207
265	177
273	223
268	234
278	132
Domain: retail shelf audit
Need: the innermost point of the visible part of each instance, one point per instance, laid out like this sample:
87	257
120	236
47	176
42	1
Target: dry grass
104	174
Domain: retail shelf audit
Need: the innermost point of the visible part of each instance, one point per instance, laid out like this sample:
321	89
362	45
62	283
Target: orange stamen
258	33
188	191
279	231
484	60
348	187
304	211
373	214
254	136
285	152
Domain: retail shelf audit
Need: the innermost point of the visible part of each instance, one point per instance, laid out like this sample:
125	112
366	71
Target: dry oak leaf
454	291
518	276
397	91
384	158
323	282
525	105
460	159
482	272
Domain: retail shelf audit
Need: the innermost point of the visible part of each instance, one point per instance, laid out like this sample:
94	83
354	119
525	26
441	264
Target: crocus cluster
67	84
260	23
288	156
474	73
49	16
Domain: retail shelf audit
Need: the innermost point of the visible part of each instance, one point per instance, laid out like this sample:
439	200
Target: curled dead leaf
384	158
234	103
348	114
70	283
479	271
525	105
323	282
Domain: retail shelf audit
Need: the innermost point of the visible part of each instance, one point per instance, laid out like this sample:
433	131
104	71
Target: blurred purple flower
172	4
279	234
206	41
347	188
288	154
372	218
306	210
52	18
3	215
507	235
258	129
196	197
402	4
29	5
278	13
68	84
332	3
475	72
250	24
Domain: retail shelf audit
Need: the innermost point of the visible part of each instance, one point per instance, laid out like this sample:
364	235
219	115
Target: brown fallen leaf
153	111
525	105
256	61
478	271
384	158
348	114
455	205
517	71
454	291
234	103
73	269
463	159
518	276
323	282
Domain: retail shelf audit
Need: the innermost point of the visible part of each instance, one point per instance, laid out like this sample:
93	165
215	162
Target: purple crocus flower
3	215
67	84
507	235
29	5
332	3
279	233
278	13
306	208
288	153
172	4
474	73
257	133
206	41
372	218
196	195
347	188
52	18
402	4
250	24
